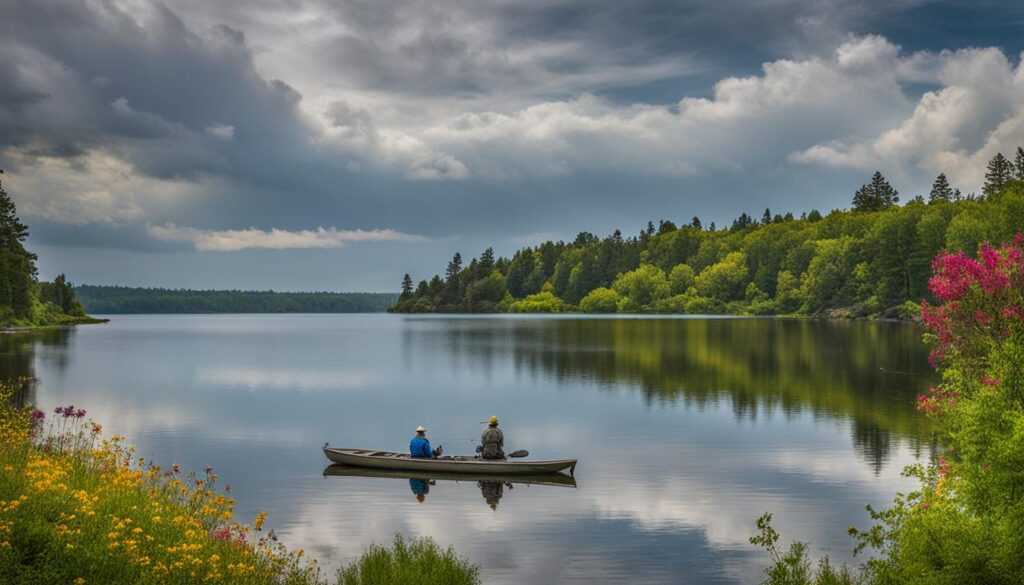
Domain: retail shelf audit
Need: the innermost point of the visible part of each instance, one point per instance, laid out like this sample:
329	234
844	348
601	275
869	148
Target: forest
24	300
109	300
872	260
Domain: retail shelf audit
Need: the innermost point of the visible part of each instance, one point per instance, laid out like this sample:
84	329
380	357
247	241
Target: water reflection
18	355
867	372
687	430
492	487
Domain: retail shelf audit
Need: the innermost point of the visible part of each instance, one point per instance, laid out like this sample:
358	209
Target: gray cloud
479	121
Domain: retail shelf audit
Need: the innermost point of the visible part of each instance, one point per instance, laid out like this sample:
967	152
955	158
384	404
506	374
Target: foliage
965	524
417	562
600	300
792	567
868	261
25	302
110	300
640	288
876	195
78	508
542	302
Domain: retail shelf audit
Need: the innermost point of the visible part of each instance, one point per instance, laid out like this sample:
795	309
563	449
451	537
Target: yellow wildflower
258	523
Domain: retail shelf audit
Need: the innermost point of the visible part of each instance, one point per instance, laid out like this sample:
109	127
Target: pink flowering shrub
966	523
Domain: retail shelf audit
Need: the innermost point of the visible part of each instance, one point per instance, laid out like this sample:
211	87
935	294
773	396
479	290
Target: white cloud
749	122
273	239
978	111
222	131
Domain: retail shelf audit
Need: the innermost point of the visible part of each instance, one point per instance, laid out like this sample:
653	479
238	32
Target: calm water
686	429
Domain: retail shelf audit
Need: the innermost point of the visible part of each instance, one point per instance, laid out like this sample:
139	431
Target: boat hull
545	479
470	465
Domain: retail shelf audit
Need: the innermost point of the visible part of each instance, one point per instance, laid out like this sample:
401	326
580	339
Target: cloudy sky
329	144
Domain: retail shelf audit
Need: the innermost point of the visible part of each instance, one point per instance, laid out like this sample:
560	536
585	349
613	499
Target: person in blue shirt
419	446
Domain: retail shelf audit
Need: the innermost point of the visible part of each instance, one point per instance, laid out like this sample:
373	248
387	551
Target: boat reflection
492	487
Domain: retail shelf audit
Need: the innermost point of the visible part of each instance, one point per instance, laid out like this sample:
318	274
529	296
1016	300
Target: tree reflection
18	352
866	372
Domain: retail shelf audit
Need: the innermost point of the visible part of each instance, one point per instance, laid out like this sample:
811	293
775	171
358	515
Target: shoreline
34	328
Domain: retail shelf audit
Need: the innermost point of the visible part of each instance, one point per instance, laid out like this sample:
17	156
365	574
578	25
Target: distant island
873	260
110	300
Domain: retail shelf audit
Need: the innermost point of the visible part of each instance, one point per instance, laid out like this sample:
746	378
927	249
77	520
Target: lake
686	429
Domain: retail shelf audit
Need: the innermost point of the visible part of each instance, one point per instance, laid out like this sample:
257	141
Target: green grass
415	562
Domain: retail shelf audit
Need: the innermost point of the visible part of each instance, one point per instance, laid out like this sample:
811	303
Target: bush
674	304
417	562
697	305
542	302
642	286
909	311
792	567
600	300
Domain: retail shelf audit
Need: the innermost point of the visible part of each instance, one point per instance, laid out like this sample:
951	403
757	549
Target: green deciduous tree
600	300
725	280
680	279
641	287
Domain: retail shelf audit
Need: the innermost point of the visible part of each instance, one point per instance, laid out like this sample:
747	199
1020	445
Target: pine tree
941	191
767	217
486	265
1019	164
814	215
17	265
712	226
454	267
406	286
876	195
997	174
695	223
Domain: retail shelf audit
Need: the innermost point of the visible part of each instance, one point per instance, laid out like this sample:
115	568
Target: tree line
108	300
24	300
873	259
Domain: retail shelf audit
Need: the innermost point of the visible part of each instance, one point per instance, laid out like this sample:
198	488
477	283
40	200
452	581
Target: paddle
519	453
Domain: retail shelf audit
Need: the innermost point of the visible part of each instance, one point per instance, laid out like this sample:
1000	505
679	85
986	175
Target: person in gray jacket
492	443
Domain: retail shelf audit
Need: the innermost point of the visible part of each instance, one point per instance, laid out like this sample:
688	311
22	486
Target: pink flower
989	381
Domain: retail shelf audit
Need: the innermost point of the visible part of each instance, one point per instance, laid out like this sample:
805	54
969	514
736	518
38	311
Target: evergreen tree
665	226
997	174
1019	165
814	215
486	265
767	217
454	268
695	223
941	191
876	195
406	286
712	226
742	221
17	265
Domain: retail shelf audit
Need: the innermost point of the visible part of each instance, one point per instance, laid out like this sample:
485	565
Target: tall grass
416	562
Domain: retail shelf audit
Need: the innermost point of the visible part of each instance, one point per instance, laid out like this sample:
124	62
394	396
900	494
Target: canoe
458	464
545	479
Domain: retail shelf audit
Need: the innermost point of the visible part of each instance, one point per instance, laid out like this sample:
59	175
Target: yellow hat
420	429
493	420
